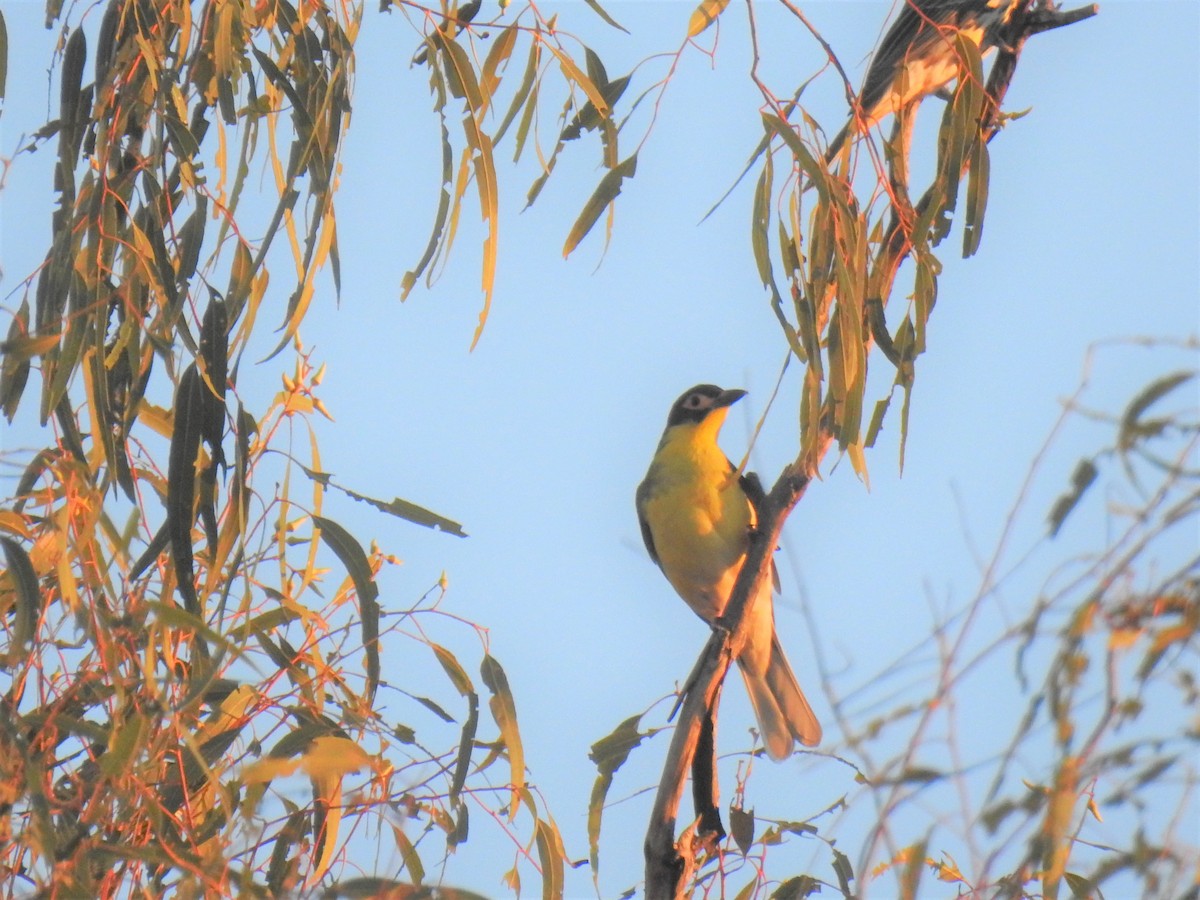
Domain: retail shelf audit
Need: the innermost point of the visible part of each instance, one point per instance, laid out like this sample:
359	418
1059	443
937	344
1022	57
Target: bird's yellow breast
698	516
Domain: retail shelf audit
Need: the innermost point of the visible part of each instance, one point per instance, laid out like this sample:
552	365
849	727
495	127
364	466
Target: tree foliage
187	627
195	697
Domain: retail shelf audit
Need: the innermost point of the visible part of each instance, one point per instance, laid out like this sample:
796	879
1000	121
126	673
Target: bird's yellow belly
701	542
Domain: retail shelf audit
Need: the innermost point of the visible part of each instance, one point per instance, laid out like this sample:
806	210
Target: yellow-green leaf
573	73
504	712
27	346
24	583
452	667
551	855
605	193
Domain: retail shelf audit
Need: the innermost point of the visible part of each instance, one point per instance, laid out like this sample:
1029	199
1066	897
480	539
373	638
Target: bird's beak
728	398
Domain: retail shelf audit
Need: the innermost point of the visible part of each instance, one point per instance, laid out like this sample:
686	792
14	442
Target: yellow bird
696	520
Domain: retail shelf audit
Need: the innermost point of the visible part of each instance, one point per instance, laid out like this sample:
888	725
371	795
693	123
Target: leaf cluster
469	87
181	646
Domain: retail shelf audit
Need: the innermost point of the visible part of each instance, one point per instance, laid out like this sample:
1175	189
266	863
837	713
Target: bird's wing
752	487
643	493
909	38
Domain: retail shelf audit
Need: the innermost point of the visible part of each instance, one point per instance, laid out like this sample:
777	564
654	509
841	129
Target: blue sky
536	440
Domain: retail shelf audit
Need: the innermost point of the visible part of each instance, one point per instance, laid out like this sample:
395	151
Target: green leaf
410	512
797	888
299	110
14	366
174	617
128	740
1080	886
183	143
519	98
741	826
877	417
904	410
606	192
595	68
599	10
816	172
1082	478
189	241
844	871
916	775
1133	426
588	118
760	237
351	553
3	55
466	743
460	74
977	194
443	210
186	435
71	110
29	598
266	623
241	284
609	754
461	827
63	362
409	857
573	74
434	708
214	351
294	832
489	206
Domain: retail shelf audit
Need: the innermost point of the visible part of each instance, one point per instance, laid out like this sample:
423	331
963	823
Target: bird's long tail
780	707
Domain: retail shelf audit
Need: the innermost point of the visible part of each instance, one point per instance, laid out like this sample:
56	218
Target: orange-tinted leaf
504	712
551	855
704	15
574	74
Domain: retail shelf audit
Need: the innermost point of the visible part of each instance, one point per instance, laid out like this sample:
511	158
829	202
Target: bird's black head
697	403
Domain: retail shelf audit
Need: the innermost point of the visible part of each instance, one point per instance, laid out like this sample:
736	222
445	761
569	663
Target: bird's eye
695	401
